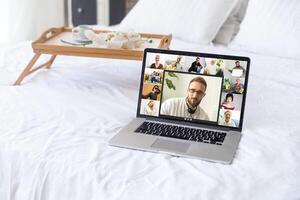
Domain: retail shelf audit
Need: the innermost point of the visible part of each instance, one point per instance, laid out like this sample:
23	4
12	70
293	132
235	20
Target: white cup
114	44
78	32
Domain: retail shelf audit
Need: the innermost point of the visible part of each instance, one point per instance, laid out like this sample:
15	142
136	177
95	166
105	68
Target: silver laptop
190	104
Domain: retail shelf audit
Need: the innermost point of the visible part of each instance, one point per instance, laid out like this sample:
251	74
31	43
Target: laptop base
224	153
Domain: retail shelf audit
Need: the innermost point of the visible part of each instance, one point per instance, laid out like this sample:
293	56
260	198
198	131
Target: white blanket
55	127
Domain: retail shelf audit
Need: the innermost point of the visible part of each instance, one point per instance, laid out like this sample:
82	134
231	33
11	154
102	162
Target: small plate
76	43
82	40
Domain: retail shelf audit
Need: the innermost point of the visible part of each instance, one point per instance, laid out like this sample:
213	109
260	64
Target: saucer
81	40
76	42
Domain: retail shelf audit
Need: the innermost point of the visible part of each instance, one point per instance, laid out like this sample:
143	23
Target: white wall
22	20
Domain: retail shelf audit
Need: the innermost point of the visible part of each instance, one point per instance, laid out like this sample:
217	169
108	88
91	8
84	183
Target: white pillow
271	27
192	20
232	25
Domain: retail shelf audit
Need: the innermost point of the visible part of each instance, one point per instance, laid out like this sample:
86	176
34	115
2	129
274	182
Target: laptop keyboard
185	133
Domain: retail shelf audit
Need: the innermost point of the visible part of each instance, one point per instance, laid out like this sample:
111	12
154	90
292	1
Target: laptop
190	104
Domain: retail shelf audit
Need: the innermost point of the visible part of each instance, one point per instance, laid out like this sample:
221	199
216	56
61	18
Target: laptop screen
195	87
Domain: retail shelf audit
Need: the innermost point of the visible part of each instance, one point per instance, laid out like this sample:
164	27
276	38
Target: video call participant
218	67
177	64
196	66
150	108
154	77
189	106
153	94
238	87
238	67
227	119
157	64
227	103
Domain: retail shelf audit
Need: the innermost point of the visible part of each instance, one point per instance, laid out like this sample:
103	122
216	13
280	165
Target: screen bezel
194	54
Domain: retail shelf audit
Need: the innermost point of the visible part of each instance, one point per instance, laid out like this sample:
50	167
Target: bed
55	130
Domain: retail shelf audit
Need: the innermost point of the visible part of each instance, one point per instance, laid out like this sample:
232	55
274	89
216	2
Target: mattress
55	129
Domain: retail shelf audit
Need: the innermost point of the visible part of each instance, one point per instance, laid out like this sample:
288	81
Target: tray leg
26	71
50	62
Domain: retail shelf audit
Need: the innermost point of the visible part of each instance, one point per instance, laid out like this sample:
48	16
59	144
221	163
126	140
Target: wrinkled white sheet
55	127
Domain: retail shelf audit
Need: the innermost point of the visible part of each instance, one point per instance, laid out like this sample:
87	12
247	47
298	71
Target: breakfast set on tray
88	42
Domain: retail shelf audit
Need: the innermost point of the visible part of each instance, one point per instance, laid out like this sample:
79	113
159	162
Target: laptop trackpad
170	145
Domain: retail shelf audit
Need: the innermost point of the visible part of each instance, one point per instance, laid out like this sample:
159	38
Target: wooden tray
50	43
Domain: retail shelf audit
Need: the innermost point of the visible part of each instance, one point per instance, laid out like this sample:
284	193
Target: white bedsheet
54	132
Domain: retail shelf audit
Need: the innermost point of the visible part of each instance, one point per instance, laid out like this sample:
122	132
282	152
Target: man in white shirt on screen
188	107
227	121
